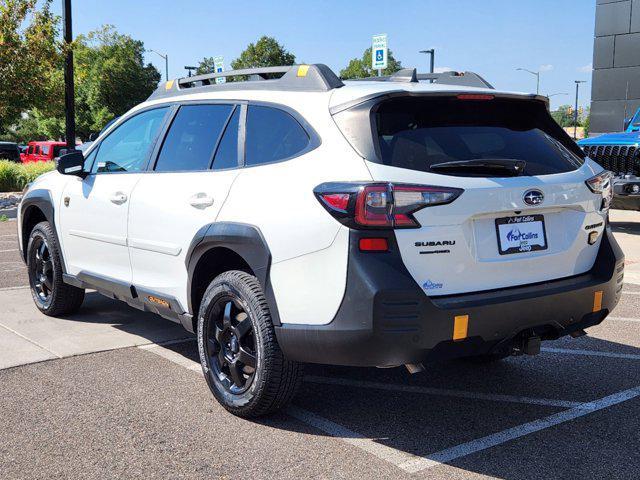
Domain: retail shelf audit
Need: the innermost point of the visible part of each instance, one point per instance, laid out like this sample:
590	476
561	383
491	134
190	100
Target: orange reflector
460	327
597	301
373	245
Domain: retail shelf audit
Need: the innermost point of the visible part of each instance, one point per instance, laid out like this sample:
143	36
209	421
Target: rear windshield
418	133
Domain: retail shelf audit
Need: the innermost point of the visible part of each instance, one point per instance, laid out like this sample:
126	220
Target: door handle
118	198
201	200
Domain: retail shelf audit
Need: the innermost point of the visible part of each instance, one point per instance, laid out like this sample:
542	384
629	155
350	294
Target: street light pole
575	112
69	103
432	52
537	74
189	69
166	63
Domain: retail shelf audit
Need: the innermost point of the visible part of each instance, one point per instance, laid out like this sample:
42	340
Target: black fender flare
245	240
41	199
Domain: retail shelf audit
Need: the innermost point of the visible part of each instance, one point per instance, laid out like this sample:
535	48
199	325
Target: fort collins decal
521	234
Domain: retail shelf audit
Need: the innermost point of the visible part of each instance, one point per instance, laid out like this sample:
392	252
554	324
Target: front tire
240	356
51	295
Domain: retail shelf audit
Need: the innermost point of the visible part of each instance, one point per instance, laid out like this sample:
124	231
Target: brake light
381	205
601	184
474	96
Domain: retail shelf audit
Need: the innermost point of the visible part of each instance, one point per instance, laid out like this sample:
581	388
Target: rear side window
127	148
192	138
45	149
418	133
227	153
272	135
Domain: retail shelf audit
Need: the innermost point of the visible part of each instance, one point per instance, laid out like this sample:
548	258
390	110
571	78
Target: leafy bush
14	176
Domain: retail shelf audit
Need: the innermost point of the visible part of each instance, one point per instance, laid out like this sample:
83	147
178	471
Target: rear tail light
381	205
601	184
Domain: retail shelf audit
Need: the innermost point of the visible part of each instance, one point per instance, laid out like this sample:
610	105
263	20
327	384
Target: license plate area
521	234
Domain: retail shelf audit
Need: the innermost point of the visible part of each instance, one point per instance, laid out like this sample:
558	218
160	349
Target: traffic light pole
69	103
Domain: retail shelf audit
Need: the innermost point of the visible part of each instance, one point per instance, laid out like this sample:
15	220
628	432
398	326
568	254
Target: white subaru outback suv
293	218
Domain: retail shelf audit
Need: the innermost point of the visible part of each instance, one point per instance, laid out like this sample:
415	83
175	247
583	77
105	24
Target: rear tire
51	295
240	356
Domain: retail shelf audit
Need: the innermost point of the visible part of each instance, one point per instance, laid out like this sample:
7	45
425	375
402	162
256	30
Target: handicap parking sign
379	52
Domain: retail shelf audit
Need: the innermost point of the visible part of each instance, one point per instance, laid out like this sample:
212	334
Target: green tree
563	115
29	57
110	78
266	52
206	65
361	67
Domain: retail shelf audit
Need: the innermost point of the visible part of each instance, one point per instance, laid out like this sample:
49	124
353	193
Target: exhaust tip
414	367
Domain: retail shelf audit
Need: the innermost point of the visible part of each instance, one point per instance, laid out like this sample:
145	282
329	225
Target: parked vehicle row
620	154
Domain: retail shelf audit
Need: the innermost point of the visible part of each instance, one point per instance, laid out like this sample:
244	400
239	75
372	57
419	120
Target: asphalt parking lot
115	393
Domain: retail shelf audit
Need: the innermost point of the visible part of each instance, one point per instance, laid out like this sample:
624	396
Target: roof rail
410	75
310	78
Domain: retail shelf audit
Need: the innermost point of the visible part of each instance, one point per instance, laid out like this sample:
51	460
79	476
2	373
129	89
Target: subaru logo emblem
533	197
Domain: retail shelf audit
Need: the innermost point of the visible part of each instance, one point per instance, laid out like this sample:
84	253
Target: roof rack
410	75
310	78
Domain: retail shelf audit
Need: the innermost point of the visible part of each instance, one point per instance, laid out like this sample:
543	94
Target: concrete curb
9	212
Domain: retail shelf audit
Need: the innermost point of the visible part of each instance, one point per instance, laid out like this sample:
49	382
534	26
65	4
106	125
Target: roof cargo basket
309	78
410	75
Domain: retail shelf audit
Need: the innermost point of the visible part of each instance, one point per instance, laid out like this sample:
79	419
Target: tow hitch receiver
531	346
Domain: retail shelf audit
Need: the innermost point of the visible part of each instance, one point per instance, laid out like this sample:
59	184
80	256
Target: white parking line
10	250
626	292
499	438
623	319
494	397
383	452
14	288
172	356
593	353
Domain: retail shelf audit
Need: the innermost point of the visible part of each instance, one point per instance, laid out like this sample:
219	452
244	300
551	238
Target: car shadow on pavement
632	228
456	403
98	309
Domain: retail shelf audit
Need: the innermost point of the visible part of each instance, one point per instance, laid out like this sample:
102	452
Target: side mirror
627	122
72	163
93	136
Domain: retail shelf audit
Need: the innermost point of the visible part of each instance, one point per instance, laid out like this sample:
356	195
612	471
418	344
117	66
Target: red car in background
42	151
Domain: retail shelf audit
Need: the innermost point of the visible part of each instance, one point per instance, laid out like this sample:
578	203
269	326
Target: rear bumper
623	197
385	319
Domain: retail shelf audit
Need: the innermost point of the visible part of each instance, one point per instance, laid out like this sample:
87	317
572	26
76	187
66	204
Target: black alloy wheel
41	271
231	345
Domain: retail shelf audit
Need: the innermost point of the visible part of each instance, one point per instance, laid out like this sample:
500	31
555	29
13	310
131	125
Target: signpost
218	66
379	52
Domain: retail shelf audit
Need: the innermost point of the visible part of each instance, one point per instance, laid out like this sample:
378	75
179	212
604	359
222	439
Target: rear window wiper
483	166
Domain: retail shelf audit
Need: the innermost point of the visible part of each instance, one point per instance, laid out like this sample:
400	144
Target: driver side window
127	148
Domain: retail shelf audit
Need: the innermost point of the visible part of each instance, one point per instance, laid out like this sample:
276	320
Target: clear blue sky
490	37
